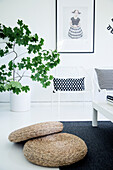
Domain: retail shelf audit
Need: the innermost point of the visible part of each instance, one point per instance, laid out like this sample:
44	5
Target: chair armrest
99	95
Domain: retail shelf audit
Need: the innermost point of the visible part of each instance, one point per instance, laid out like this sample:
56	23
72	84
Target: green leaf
33	78
41	41
28	66
33	70
30	48
1	53
15	84
3	67
20	22
10	64
25	88
50	77
9	45
2	88
20	66
25	40
23	60
37	77
46	68
36	37
7	86
9	74
2	35
28	32
48	83
16	90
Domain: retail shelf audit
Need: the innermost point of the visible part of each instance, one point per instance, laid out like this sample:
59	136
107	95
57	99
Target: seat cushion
36	130
105	78
55	150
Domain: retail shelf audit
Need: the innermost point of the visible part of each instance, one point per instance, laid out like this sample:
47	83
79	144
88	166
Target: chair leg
58	105
52	103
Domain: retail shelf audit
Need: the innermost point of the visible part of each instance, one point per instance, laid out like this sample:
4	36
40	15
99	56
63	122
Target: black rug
99	141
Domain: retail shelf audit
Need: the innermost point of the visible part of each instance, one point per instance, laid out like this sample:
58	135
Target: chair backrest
75	72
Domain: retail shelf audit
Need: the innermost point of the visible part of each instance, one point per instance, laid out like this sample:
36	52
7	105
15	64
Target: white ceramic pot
21	102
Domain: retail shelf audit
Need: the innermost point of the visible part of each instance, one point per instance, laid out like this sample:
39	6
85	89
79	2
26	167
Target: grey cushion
105	78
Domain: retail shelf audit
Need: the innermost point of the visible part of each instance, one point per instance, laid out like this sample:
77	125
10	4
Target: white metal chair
78	96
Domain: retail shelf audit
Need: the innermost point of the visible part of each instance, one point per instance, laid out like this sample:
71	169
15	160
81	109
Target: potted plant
25	58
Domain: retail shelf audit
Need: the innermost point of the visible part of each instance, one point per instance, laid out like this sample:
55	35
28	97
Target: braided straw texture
55	150
36	130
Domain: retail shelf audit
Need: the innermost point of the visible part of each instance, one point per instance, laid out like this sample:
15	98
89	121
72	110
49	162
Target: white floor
11	155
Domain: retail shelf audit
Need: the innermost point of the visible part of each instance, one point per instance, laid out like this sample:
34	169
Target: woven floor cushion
36	130
55	150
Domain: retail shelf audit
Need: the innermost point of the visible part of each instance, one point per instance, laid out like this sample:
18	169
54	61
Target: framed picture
75	25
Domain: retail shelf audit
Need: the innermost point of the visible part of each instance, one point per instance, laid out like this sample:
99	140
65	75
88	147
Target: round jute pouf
36	130
55	150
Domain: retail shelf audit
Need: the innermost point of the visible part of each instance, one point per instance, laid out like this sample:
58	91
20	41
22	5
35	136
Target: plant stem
18	74
8	53
14	61
11	78
22	54
27	76
13	74
21	76
3	42
14	52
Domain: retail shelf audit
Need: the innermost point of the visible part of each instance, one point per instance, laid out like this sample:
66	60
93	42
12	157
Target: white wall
40	16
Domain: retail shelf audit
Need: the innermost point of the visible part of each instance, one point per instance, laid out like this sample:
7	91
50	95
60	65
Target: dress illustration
75	30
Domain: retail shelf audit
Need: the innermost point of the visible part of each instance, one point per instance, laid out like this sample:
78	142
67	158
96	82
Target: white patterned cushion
69	84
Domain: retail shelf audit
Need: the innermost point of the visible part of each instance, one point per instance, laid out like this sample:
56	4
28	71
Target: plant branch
14	61
27	76
22	54
21	75
3	42
14	52
18	74
8	53
11	78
